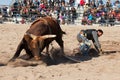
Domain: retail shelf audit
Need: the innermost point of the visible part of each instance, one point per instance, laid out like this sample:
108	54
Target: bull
40	34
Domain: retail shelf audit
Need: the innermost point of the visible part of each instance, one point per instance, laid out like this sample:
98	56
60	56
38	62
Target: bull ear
48	36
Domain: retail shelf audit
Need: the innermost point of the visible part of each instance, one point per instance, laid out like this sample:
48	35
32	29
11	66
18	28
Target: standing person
89	34
74	14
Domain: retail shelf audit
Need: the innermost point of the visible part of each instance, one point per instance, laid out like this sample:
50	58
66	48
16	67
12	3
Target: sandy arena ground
106	67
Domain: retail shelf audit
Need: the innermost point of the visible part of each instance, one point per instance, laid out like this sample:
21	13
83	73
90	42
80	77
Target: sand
105	67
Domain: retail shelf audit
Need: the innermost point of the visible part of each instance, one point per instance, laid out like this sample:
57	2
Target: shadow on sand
56	59
2	64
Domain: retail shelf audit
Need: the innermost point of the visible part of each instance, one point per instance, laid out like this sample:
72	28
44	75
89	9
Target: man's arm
96	41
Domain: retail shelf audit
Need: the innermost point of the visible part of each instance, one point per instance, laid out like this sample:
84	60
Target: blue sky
7	2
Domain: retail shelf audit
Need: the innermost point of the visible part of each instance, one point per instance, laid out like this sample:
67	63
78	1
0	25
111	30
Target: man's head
100	32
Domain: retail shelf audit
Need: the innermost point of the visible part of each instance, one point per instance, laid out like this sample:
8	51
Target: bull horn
31	35
48	36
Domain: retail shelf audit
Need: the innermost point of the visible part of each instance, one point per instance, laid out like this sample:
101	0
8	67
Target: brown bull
40	34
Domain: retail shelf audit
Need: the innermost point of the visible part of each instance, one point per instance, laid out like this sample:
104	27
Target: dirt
105	67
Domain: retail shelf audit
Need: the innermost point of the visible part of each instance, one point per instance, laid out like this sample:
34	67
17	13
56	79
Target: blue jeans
84	44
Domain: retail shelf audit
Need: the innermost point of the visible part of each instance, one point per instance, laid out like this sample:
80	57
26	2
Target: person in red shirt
82	2
42	5
118	16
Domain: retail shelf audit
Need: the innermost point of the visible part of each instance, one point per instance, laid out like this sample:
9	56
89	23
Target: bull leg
60	43
47	50
49	53
19	49
29	53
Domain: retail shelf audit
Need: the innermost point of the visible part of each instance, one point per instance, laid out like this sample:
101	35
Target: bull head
36	39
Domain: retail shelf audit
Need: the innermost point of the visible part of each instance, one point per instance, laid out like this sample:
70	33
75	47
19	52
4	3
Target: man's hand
100	51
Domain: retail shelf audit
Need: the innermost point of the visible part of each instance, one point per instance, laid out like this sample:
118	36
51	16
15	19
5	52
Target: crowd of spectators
32	9
103	14
95	11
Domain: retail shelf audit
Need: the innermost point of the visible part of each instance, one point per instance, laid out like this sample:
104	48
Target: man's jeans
84	44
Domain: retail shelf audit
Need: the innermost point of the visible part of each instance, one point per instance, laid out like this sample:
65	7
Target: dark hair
100	30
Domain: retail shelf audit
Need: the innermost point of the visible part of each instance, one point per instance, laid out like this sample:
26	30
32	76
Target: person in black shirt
89	34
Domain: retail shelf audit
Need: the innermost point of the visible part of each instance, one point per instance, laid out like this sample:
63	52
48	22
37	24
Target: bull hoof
36	58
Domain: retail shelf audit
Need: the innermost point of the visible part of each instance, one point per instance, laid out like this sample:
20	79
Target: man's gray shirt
95	36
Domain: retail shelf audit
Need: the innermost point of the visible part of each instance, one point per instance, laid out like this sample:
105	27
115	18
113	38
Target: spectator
99	2
82	3
111	19
63	8
71	2
51	3
57	8
22	21
36	3
108	4
25	2
42	6
84	20
90	19
102	20
74	15
1	20
62	18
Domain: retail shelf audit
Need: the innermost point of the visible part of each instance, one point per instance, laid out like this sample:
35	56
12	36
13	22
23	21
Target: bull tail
63	32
